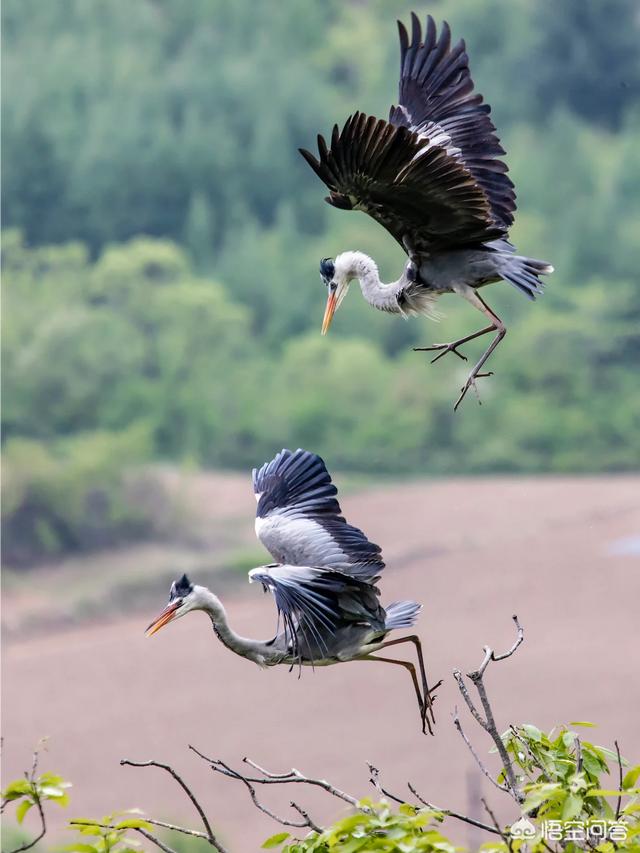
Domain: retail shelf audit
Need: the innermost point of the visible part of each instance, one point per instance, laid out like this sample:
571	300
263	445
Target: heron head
183	597
336	278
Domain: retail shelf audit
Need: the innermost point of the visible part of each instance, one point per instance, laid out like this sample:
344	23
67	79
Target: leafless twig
578	755
267	777
377	784
449	813
374	778
154	840
494	821
174	828
619	803
210	837
296	776
220	767
488	722
458	725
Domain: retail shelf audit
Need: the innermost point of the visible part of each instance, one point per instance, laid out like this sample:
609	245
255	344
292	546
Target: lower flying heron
323	581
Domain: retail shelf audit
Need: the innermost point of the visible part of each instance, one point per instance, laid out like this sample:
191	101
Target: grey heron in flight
433	177
323	581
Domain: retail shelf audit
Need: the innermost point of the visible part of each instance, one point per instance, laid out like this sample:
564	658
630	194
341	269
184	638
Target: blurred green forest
160	263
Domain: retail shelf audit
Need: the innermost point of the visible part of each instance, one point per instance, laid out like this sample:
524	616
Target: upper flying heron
323	581
433	177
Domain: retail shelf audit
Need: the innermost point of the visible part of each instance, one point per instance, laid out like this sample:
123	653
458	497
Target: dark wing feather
314	603
436	93
417	187
299	520
293	483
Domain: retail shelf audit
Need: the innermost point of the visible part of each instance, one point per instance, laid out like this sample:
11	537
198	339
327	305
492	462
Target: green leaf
134	823
600	792
572	806
52	792
538	794
17	789
52	779
77	848
275	840
591	764
583	723
89	829
22	809
532	732
631	777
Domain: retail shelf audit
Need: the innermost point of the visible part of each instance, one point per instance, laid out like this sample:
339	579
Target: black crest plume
327	268
181	588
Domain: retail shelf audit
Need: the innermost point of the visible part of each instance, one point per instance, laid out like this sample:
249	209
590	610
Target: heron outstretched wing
313	603
299	520
436	96
417	186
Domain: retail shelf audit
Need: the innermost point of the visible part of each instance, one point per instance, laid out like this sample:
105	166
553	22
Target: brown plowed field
559	552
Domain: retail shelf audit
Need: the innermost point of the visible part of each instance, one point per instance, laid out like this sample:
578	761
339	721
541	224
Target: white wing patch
300	541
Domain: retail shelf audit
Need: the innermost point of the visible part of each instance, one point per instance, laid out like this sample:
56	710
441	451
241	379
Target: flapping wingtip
416	29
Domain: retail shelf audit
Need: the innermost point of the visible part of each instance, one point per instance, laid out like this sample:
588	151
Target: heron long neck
380	295
218	615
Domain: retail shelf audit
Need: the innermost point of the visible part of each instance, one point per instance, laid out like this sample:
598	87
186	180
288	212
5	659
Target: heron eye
333	286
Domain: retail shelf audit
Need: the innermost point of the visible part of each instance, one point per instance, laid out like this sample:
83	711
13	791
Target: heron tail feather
524	273
401	614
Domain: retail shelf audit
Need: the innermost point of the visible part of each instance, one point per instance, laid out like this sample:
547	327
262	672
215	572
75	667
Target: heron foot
446	348
471	383
426	709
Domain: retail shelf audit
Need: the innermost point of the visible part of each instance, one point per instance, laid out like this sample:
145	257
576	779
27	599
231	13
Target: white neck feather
212	605
350	265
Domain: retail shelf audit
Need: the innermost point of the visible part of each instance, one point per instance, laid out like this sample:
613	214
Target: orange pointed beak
163	619
329	311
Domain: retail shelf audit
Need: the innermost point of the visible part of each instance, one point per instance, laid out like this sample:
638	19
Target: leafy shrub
76	494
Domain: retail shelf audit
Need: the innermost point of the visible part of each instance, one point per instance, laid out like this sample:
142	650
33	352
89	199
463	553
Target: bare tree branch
375	781
578	755
502	835
458	725
154	840
296	776
305	815
174	828
488	722
619	803
220	767
374	778
269	778
211	838
470	820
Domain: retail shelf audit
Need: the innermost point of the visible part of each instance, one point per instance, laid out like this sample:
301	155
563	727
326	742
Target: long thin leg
410	667
453	346
413	638
473	297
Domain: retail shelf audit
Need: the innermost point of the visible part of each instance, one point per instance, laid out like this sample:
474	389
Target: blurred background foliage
161	293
